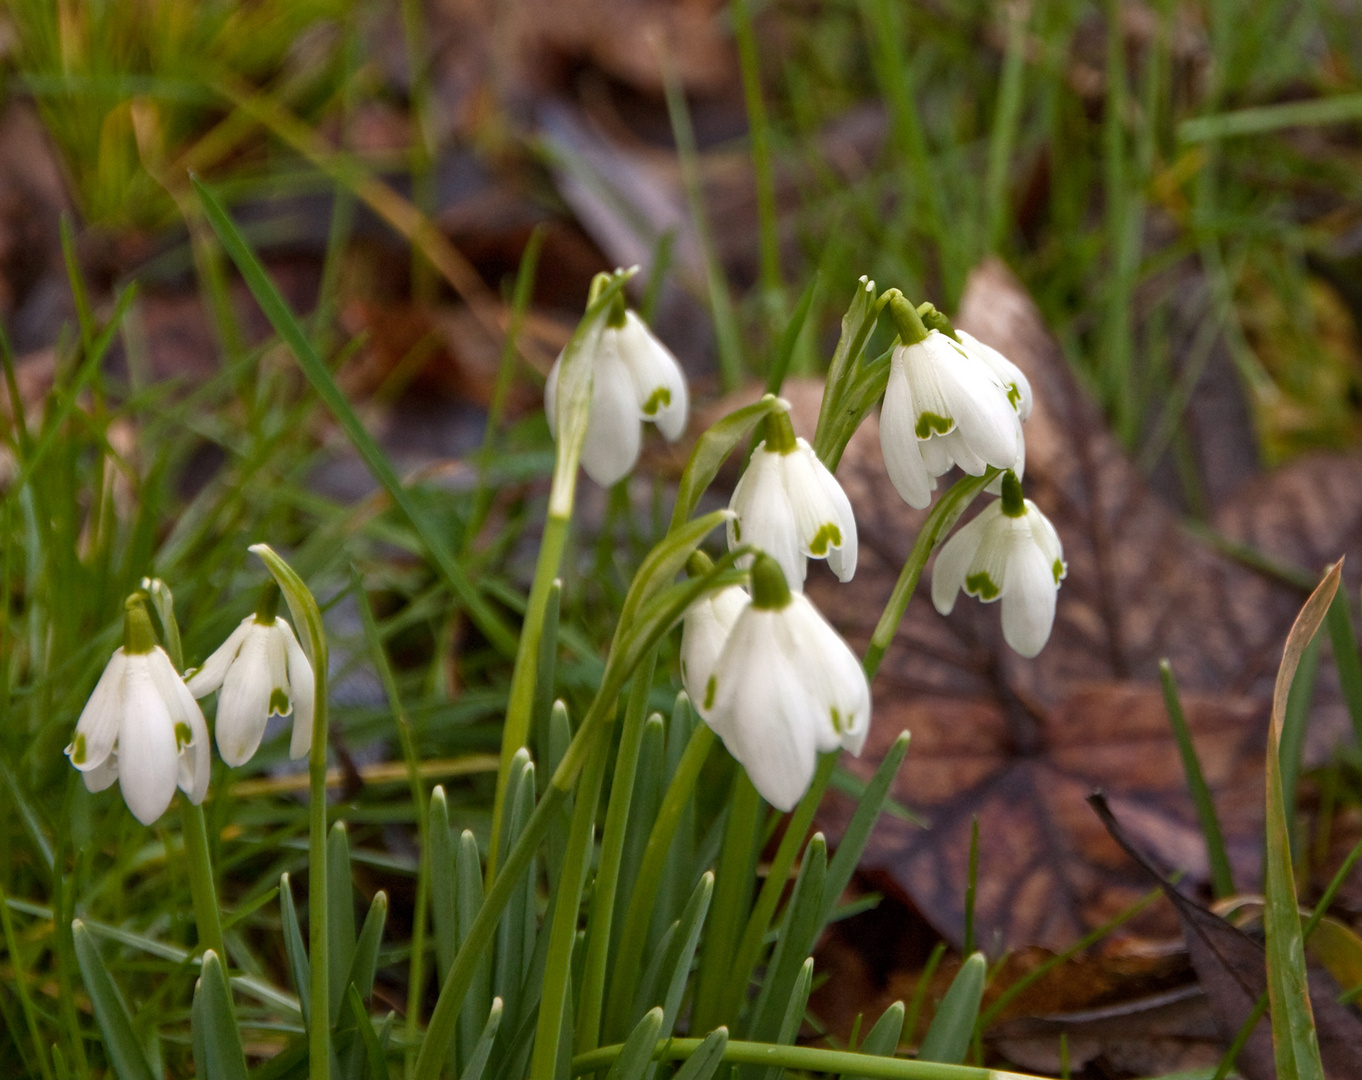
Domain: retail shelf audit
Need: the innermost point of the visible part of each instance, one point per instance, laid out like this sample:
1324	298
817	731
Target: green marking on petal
78	753
183	736
660	397
836	720
279	702
737	530
1058	570
711	688
827	534
929	424
1014	395
981	585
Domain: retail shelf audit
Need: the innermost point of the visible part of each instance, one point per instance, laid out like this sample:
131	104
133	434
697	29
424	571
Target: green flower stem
519	709
944	515
557	982
606	888
307	618
634	933
201	886
754	936
803	1058
732	890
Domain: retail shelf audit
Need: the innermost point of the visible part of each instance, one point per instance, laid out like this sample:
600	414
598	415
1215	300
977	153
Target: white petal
831	676
209	677
304	693
99	721
1008	373
148	758
954	559
703	633
612	435
276	650
659	383
551	397
1018	466
102	775
902	455
1028	599
827	527
938	454
243	704
984	416
1043	532
765	518
925	363
195	761
764	718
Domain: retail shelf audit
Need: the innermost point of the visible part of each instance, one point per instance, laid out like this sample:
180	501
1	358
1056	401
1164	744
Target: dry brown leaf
1019	744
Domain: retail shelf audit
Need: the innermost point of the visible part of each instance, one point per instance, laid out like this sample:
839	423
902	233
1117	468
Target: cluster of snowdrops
761	664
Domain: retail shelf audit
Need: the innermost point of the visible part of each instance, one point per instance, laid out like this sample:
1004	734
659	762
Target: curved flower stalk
786	687
1010	552
261	671
944	405
141	726
789	505
634	377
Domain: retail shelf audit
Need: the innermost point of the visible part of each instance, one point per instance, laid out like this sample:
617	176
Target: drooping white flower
790	506
261	671
786	687
945	406
634	377
1010	551
142	727
1014	381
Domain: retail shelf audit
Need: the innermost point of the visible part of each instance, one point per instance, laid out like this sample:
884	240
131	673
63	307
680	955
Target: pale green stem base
201	885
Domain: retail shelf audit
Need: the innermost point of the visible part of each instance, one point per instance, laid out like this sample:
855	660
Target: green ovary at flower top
1009	552
260	670
634	377
949	402
141	726
783	686
790	506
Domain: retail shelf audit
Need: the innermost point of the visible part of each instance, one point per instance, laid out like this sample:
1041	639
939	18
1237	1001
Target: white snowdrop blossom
634	377
142	727
943	406
790	506
1010	551
1018	388
260	671
786	687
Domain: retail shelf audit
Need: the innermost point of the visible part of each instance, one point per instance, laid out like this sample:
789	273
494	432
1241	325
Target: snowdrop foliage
789	505
142	727
261	671
1010	552
634	377
785	688
948	404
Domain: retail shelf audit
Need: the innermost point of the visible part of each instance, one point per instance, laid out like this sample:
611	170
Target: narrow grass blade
294	947
857	833
803	920
365	963
342	914
287	326
1347	659
1338	109
637	1054
794	1013
468	899
883	1038
1293	1023
443	888
705	1059
1222	877
681	955
213	1012
482	1049
1291	749
948	1039
789	339
111	1014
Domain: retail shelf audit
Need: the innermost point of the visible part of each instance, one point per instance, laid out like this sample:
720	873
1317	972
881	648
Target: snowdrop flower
786	687
945	406
634	377
1010	551
141	726
261	671
790	506
703	634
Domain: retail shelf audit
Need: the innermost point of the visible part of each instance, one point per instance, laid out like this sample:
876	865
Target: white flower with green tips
634	377
790	506
260	671
944	406
1009	552
786	687
142	726
704	632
